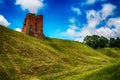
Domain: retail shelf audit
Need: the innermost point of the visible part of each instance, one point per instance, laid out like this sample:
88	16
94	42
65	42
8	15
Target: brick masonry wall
33	25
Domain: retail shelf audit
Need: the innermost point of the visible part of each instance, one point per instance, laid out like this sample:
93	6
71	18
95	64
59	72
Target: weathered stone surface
33	25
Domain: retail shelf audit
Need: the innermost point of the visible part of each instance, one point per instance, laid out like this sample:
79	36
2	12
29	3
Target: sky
65	19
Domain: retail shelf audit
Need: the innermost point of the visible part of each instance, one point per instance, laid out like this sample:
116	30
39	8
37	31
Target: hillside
26	58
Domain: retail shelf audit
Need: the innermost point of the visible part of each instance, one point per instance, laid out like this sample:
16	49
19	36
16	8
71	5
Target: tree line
96	41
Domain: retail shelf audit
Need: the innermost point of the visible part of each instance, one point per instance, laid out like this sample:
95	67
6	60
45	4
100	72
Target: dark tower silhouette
33	25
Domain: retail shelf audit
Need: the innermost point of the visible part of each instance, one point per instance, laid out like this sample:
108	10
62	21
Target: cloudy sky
65	19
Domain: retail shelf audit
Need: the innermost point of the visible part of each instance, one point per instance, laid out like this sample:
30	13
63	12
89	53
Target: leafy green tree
95	41
88	40
92	41
112	42
103	42
118	42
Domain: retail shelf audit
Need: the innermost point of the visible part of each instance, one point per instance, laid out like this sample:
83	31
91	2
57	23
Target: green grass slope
26	58
111	52
112	72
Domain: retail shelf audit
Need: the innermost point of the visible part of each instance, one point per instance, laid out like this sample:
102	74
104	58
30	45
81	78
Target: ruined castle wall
39	26
33	25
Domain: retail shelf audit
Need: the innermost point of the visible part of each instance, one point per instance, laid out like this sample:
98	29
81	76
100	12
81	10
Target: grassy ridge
25	58
112	72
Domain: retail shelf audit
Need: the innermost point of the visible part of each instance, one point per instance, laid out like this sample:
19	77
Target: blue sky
65	19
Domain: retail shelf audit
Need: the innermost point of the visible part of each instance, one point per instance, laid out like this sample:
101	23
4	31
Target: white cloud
90	1
77	10
3	21
107	10
105	31
94	18
72	20
116	23
31	5
18	29
71	32
74	27
79	39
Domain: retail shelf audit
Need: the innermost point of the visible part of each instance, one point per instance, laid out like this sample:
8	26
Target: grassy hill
26	58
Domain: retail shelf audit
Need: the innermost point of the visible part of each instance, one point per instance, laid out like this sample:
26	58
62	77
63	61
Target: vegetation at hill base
23	57
96	41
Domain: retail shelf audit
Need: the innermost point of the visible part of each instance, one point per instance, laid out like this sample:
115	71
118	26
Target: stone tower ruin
33	25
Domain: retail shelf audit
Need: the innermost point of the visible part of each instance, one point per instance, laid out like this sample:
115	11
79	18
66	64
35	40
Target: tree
88	40
92	41
118	42
95	41
103	42
112	42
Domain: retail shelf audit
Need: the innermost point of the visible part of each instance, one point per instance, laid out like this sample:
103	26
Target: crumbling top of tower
33	25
